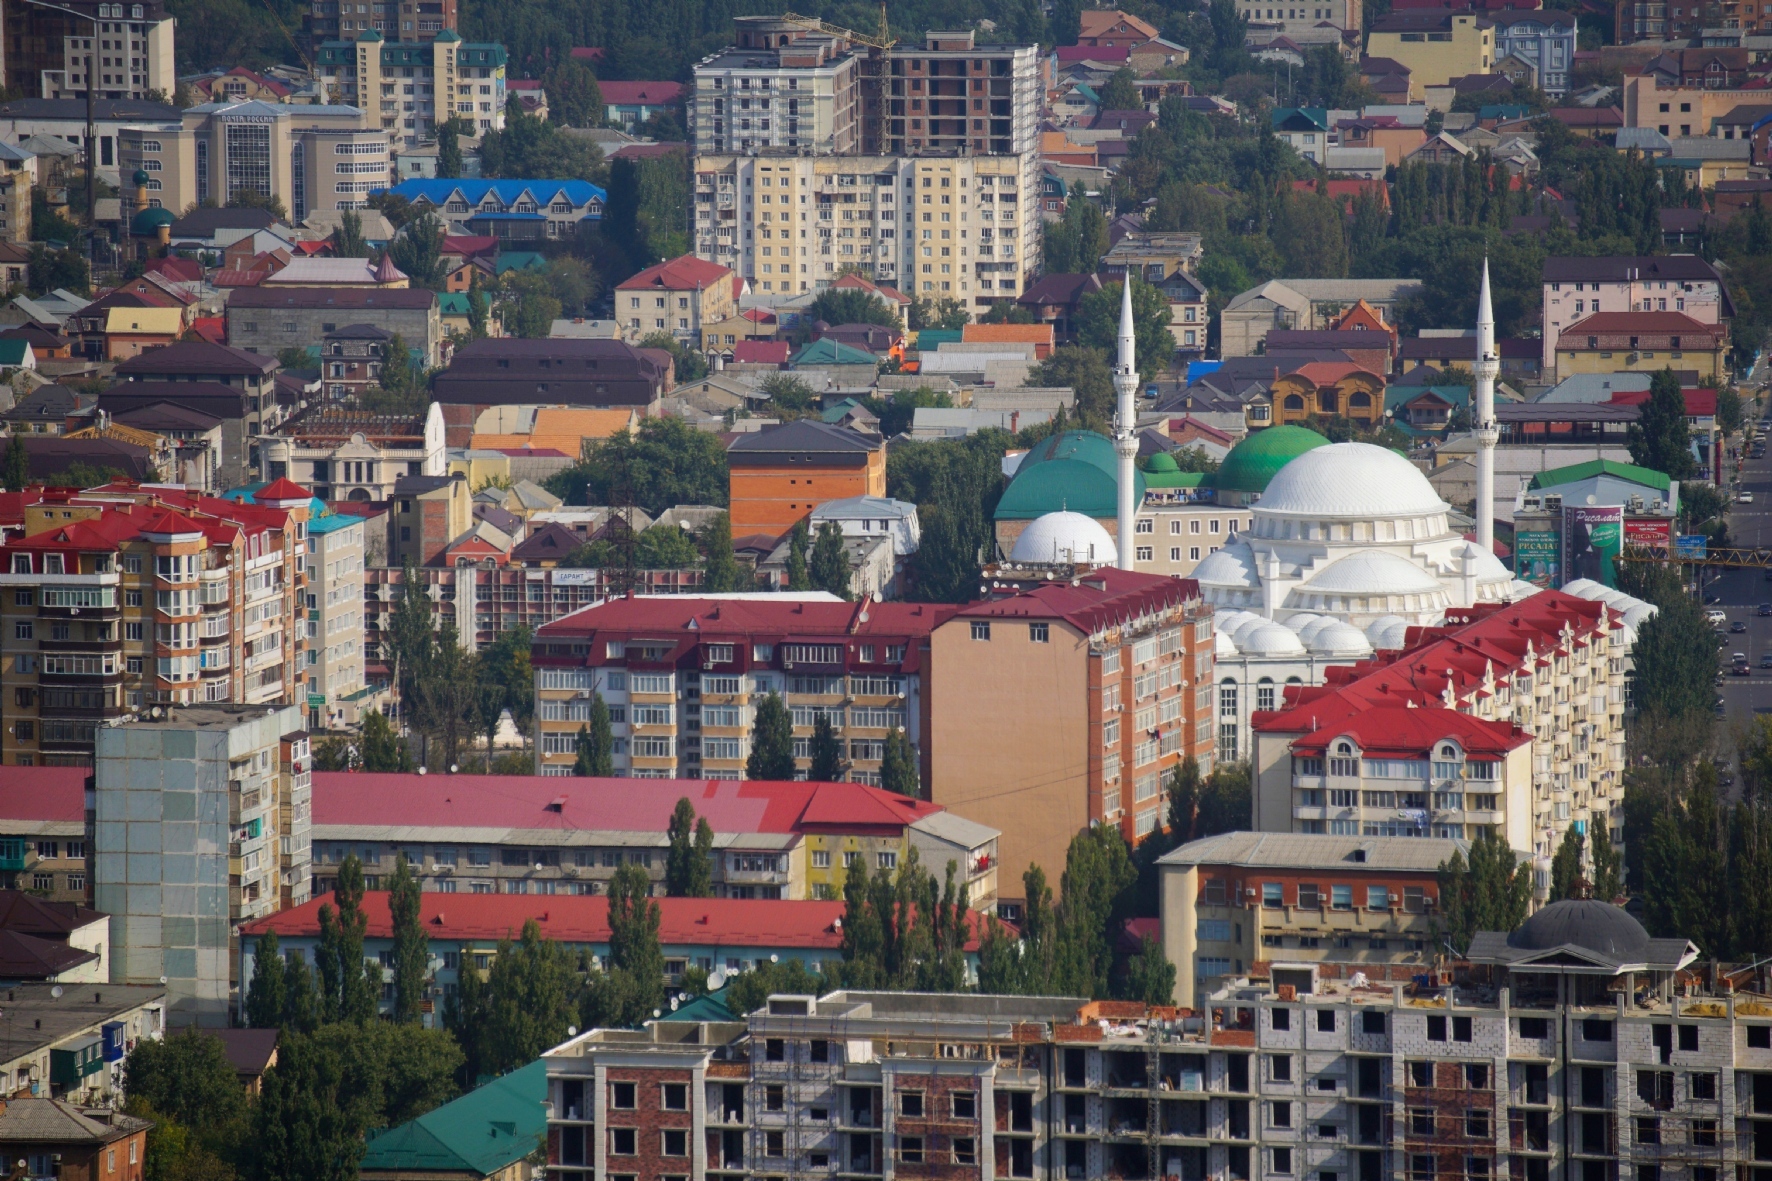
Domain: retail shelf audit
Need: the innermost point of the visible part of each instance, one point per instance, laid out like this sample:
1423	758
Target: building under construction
1576	1048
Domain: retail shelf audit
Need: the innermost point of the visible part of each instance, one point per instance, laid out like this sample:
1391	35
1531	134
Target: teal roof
1253	463
330	521
452	303
930	339
832	352
12	352
1453	395
1075	471
835	412
710	1007
520	260
1601	467
488	1129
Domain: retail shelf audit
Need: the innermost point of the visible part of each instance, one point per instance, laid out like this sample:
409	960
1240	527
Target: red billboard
1649	531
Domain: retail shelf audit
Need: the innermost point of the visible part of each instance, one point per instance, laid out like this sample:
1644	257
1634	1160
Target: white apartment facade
1575	288
336	688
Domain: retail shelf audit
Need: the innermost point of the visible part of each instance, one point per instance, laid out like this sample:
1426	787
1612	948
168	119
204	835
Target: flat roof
36	1017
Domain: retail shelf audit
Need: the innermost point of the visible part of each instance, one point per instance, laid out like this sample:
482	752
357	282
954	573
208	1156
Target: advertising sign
1593	537
1692	545
1538	557
1654	532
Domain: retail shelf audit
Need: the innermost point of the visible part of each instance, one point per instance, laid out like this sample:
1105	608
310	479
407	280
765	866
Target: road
1740	592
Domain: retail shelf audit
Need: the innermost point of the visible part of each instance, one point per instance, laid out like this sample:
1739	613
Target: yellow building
1436	44
1641	342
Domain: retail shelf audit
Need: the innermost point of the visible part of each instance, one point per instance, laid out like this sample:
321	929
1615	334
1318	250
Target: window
775	1144
1039	633
965	1104
621	1096
1325	1020
1759	1037
1688	1037
1280	1068
1436	1029
965	1150
676	1096
981	629
1273	895
675	1142
910	1150
1282	1160
1341	897
622	1141
1476	1123
1704	1085
910	1103
1378	898
1282	1018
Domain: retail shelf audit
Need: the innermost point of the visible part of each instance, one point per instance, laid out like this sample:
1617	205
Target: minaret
1125	419
1488	365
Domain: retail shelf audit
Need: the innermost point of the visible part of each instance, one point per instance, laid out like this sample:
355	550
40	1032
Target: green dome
147	223
1254	462
139	179
1077	471
1162	461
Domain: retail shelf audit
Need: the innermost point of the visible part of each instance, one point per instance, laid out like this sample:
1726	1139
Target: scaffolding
876	71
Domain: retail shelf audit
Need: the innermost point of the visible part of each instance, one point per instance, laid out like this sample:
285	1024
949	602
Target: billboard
1654	532
1593	537
1692	545
1538	557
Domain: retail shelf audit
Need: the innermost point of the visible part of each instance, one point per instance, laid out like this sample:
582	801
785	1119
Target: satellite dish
773	958
421	770
56	992
717	979
674	1003
572	1031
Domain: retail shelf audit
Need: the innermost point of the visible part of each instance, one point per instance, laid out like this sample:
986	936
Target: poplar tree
830	562
412	949
828	764
772	742
799	578
689	868
267	996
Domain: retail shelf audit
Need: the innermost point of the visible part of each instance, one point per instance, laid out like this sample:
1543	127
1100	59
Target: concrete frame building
344	454
270	319
411	20
189	819
336	673
406	87
50	50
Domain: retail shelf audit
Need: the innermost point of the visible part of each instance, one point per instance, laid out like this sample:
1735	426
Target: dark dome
147	223
1584	922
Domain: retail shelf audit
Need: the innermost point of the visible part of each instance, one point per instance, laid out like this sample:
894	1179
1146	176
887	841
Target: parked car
1744	497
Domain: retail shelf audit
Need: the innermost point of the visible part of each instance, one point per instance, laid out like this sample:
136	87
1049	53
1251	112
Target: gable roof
826	351
438	191
805	435
635	94
483	1132
760	352
1570	473
684	273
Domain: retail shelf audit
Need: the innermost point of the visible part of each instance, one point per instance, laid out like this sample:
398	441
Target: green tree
689	867
380	748
772	741
596	743
1565	871
898	765
1150	977
186	1076
399	375
851	305
688	364
830	562
721	572
418	251
412	947
300	1005
449	134
479	307
828	764
347	992
1676	662
1225	804
1308	230
347	240
531	148
799	575
1098	326
1492	891
505	665
1660	438
1098	867
18	464
789	395
313	1108
1729	415
1183	801
750	990
945	312
1007	311
634	949
267	995
1087	372
667	463
1608	866
528	1001
574	98
1120	91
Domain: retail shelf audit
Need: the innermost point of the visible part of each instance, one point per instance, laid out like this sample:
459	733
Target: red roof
890	294
214	329
696	620
685	273
760	352
282	488
635	94
1099	599
312	249
1093	53
1642	322
1412	733
579	804
468	245
758	315
179	270
44	793
1700	403
239	278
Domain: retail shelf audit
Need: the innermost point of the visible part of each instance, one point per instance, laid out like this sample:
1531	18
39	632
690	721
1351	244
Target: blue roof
331	521
438	192
507	217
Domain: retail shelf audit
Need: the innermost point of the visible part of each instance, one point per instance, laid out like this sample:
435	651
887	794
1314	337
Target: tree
789	395
799	576
449	134
505	666
18	464
1150	977
244	198
398	374
1608	866
380	748
1492	891
1087	373
442	702
412	948
347	240
418	251
667	463
1098	866
1676	661
49	269
346	991
852	305
528	1001
479	307
688	364
750	990
944	312
772	742
1729	414
721	573
1565	871
1184	801
531	148
574	98
188	1077
1660	438
1120	91
294	357
1225	804
830	561
313	1107
1308	230
596	743
1098	326
1007	311
689	867
267	996
898	765
828	764
634	948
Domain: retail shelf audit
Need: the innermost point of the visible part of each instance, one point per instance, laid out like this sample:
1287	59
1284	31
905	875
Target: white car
1744	498
1715	617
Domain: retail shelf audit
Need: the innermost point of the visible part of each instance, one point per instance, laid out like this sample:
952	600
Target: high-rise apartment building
335	686
194	808
855	131
60	50
408	86
683	676
121	599
406	20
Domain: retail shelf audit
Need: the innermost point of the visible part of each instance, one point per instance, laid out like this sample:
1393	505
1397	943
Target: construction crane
306	61
876	65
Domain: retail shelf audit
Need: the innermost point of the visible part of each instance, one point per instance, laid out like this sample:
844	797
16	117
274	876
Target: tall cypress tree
772	741
828	764
357	992
722	573
634	949
689	869
799	577
18	464
1565	870
898	765
412	949
830	562
266	997
596	743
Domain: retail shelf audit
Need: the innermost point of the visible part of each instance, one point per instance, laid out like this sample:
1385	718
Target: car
1765	609
1744	497
1741	670
1766	660
1739	626
1716	618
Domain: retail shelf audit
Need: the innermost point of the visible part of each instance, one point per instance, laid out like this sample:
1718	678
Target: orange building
1332	389
1038	335
778	476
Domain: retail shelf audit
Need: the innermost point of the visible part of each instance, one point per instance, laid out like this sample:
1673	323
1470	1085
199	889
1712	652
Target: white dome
1582	588
1371	572
1297	622
1223	647
1355	480
1383	623
1341	639
1270	639
1394	635
1613	598
1233	565
1489	567
1246	625
1521	589
1309	631
1065	537
1635	617
1227	622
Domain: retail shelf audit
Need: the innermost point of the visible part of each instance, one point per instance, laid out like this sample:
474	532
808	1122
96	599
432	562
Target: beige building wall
335	620
1469	48
1034	789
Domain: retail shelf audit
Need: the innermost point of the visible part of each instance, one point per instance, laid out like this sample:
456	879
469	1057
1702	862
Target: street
1738	593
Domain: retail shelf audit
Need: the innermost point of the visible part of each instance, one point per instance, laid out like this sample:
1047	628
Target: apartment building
1292	19
1575	288
410	20
1544	39
977	240
428	514
1436	44
345	454
688	672
71	1043
297	154
1642	342
677	296
44	840
124	599
1244	903
501	208
1549	668
407	86
533	834
193	808
1103	678
509	371
270	319
778	475
337	689
51	52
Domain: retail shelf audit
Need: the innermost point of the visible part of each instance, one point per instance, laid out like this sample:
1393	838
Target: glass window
1273	895
1341	897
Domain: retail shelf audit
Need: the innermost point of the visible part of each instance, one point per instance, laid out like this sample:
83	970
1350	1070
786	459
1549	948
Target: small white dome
1521	589
1393	637
1309	631
1231	566
1270	639
1065	537
1383	623
1341	639
1297	622
1355	480
1227	622
1582	588
1614	598
1489	567
1223	647
1372	572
